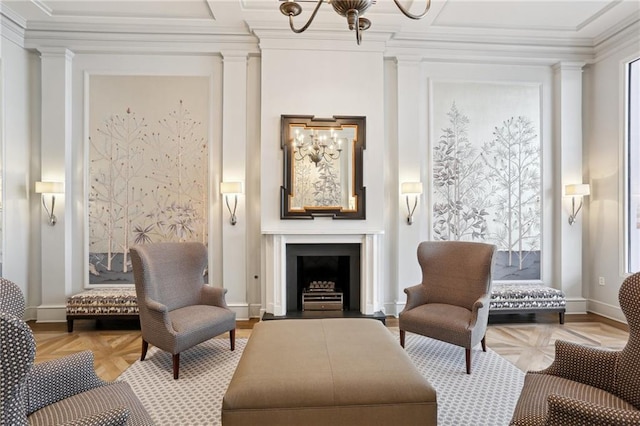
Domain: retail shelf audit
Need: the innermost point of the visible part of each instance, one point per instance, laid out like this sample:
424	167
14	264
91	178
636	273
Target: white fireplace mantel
275	277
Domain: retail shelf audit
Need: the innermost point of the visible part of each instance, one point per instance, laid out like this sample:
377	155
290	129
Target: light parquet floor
525	341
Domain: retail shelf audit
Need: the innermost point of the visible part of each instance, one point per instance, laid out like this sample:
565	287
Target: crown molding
626	36
128	43
11	27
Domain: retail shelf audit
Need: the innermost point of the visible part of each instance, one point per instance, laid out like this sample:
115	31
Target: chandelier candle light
317	146
350	9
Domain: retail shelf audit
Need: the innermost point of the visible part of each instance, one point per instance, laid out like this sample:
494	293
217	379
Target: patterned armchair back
169	273
628	368
11	298
17	352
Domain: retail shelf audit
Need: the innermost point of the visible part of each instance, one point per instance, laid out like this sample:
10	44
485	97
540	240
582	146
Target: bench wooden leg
402	337
232	338
176	366
145	347
561	317
69	325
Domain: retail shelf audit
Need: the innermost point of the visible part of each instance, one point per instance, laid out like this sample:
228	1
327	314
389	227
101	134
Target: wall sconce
411	188
229	188
50	188
576	190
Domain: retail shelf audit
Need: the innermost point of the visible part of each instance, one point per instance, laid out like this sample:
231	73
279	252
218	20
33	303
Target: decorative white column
411	157
234	163
56	142
568	170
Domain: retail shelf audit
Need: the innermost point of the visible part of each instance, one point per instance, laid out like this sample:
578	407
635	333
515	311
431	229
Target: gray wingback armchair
451	303
177	309
61	391
586	385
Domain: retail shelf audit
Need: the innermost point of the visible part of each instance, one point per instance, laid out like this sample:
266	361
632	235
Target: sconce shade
49	187
231	188
577	190
411	188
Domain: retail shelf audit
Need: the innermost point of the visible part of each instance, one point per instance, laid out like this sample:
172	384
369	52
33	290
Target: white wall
604	150
18	92
324	84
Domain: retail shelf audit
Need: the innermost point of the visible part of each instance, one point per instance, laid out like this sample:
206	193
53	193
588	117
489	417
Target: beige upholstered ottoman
326	372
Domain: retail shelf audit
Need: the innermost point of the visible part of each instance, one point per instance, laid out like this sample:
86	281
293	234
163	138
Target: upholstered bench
103	303
526	298
326	372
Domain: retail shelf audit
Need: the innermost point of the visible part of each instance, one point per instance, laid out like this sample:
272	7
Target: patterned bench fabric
526	296
100	302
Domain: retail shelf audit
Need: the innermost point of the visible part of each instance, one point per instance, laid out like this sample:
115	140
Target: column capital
56	52
568	66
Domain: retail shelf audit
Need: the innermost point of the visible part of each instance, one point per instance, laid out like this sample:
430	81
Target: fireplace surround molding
274	292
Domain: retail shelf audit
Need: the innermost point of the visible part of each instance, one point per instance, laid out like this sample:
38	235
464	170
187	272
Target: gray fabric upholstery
588	386
451	303
177	309
61	391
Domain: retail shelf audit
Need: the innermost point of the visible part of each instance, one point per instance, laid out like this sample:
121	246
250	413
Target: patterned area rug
486	397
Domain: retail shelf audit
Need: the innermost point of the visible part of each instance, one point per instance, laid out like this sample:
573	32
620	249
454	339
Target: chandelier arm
313	15
411	15
358	34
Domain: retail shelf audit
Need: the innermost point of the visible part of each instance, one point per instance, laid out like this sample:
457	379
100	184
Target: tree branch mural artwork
149	183
489	190
513	158
460	207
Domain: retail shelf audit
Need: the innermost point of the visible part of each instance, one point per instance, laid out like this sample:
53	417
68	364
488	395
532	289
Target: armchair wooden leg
402	336
468	356
145	347
176	366
483	342
232	338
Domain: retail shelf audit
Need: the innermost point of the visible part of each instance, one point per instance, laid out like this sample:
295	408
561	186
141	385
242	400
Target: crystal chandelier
350	9
317	147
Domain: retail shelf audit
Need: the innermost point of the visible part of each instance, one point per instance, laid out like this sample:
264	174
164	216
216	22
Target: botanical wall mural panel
148	167
487	171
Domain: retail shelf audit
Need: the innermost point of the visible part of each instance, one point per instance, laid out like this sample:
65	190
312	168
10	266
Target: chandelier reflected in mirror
350	9
317	146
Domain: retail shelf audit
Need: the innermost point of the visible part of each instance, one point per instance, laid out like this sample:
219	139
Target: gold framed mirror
322	167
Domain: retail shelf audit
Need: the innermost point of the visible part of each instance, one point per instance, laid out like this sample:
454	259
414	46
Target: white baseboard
255	310
606	310
576	305
51	313
241	310
393	308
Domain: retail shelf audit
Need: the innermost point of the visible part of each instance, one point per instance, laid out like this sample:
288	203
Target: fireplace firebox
313	263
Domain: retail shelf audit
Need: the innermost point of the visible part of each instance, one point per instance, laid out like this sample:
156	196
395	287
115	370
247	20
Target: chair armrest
563	410
51	381
480	310
416	296
156	306
584	364
112	417
214	296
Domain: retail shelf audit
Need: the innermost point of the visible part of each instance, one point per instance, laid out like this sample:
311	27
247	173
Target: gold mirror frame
333	149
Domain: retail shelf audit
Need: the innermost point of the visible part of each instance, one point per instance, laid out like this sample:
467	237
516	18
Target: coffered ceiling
563	22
